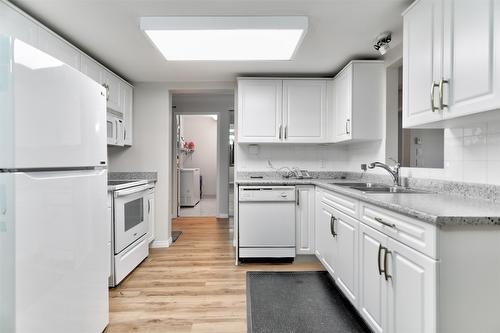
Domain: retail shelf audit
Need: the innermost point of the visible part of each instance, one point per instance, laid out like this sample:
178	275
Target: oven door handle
128	191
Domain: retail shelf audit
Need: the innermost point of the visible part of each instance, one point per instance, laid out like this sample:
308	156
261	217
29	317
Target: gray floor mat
298	302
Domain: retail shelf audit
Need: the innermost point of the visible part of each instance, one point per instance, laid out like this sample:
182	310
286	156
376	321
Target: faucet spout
393	171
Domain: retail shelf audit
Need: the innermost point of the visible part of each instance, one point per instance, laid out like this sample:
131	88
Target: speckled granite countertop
434	208
149	176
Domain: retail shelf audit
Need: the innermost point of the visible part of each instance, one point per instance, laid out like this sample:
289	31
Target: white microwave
114	129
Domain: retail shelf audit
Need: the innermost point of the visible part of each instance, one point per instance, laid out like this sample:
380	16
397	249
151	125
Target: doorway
197	154
201	158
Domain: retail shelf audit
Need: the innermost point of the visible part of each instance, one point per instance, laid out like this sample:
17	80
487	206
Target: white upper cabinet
16	25
450	61
356	101
471	72
113	86
304	110
342	105
91	68
259	110
288	111
127	106
58	48
422	60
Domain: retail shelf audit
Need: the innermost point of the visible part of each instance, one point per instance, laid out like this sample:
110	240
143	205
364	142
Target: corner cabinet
356	102
282	111
446	73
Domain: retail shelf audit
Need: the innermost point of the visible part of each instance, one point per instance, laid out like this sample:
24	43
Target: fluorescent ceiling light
226	37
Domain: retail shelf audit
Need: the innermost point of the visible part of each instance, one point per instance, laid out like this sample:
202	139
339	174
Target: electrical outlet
363	167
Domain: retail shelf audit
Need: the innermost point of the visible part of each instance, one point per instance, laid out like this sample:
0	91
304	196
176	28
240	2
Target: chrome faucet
394	170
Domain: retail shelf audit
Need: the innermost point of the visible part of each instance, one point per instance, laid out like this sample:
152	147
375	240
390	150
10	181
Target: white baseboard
222	216
161	244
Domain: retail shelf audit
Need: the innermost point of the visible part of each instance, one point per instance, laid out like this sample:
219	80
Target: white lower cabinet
397	285
393	286
412	289
304	219
372	304
345	229
325	245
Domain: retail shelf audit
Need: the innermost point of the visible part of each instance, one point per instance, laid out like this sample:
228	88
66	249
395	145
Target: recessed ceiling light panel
238	38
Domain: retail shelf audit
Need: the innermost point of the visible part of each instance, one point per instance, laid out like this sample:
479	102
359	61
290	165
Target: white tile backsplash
472	153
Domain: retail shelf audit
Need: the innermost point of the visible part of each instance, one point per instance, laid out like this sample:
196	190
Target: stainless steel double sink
378	188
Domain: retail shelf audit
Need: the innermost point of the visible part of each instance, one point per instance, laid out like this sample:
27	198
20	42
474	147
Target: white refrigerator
54	260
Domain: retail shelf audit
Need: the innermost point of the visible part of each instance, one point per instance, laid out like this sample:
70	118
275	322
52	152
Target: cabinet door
471	56
324	239
346	256
58	48
304	110
343	105
372	303
127	104
151	215
113	86
260	110
422	62
412	290
304	220
13	23
91	68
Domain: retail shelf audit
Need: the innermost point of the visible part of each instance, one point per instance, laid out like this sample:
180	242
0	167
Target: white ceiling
339	30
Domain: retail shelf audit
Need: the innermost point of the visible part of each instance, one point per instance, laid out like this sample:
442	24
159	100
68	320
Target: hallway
193	286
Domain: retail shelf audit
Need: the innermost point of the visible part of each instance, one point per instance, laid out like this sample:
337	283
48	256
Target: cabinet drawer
416	234
345	204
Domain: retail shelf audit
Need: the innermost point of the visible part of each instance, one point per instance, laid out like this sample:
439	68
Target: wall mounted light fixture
382	42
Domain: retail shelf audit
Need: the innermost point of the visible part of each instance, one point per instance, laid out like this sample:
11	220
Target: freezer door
61	252
56	117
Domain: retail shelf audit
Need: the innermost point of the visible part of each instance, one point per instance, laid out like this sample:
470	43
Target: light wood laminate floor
193	286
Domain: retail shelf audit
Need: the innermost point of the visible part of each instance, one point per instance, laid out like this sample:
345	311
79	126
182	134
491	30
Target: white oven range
130	227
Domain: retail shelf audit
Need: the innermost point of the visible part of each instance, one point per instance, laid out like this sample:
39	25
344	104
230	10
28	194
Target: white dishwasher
266	226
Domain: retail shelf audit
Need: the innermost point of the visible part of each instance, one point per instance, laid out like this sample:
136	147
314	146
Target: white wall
151	150
202	130
429	152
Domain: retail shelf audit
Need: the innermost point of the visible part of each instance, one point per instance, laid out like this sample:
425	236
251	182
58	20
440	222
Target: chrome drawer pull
390	225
